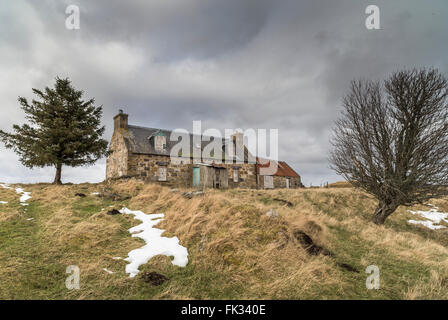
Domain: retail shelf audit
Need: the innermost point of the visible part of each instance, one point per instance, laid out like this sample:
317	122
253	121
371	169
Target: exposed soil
308	244
153	278
313	249
348	267
113	212
288	203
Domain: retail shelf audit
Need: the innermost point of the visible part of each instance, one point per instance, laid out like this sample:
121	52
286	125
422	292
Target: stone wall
180	171
295	183
117	161
146	167
247	175
280	182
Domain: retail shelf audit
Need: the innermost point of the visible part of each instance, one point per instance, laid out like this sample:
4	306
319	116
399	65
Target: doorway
196	175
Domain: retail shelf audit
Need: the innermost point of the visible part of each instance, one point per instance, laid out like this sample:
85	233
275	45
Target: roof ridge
171	130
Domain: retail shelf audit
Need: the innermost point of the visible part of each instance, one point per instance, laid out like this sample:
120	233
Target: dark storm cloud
180	29
231	64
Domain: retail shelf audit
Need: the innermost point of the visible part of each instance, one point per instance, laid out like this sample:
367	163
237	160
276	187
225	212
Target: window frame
236	175
162	173
159	143
268	182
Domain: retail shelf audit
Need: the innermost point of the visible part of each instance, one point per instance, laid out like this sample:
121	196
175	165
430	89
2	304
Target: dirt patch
154	278
286	202
313	249
348	267
308	244
113	212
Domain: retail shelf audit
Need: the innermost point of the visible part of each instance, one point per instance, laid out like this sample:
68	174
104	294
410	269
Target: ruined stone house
147	153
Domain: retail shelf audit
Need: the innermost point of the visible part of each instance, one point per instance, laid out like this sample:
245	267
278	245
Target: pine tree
63	129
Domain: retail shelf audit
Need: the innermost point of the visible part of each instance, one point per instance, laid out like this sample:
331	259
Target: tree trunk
57	178
383	211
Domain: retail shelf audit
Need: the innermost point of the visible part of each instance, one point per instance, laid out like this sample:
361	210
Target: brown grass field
235	250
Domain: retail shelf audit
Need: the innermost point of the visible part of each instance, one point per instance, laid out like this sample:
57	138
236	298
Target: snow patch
3	202
95	193
155	243
117	258
433	217
108	271
5	186
25	196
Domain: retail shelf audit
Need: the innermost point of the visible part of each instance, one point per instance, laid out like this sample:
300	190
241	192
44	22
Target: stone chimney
241	148
238	138
238	146
121	121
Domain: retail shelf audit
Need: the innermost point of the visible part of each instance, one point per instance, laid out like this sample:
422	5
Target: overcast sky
230	63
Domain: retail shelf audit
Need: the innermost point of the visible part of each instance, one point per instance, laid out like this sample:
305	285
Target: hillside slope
235	250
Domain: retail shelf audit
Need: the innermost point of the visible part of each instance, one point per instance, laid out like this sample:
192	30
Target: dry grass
235	250
11	209
233	235
340	184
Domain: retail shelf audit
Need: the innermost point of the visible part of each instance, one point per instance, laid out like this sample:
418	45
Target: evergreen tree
63	129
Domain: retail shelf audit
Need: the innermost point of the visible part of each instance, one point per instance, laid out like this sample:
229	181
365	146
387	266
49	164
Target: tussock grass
235	250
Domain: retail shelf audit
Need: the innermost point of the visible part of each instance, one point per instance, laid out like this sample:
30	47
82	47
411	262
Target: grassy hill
235	250
340	184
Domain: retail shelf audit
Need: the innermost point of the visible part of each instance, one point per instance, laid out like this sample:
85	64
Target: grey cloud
232	64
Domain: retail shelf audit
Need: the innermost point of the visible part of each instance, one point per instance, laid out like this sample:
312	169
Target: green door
196	172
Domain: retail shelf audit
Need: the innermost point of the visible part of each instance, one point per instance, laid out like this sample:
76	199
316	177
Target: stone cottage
147	153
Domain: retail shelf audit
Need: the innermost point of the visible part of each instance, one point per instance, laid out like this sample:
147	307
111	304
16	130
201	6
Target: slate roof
139	141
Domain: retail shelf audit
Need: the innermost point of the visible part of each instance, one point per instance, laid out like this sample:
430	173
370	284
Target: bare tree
392	139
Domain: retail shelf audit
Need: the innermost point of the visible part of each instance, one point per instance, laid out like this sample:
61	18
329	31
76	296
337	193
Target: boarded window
235	174
268	182
162	173
160	143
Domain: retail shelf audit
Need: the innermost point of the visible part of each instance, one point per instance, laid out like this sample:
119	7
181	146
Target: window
162	173
235	174
287	183
268	182
159	143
